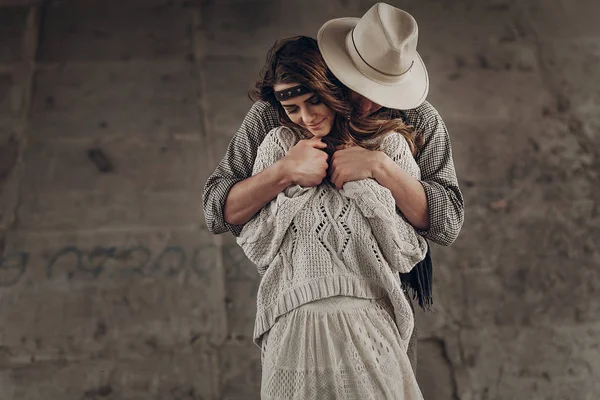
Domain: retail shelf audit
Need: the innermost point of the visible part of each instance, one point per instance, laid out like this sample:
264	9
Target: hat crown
386	39
376	56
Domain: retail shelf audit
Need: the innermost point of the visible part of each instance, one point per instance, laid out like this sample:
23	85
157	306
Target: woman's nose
308	116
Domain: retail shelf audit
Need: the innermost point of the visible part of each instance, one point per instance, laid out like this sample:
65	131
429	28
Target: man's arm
303	165
400	244
263	234
406	189
247	197
357	163
438	177
232	195
433	204
236	166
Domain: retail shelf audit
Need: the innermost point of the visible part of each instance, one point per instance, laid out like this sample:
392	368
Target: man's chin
375	108
367	111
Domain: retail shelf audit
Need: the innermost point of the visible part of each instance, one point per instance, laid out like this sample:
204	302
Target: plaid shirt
438	177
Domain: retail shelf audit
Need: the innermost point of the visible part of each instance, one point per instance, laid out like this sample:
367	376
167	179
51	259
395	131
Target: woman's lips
316	126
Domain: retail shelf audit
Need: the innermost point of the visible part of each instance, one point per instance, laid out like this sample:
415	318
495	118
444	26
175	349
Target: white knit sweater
317	242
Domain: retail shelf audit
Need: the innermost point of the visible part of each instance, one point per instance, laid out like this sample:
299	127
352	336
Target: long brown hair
298	60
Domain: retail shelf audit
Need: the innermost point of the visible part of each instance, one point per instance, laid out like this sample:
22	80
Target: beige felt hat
376	56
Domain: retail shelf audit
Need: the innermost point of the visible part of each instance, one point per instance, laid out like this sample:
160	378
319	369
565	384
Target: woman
332	319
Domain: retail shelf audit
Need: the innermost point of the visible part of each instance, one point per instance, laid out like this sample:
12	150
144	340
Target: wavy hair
298	60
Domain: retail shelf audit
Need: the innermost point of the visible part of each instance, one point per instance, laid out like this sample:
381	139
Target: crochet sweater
310	243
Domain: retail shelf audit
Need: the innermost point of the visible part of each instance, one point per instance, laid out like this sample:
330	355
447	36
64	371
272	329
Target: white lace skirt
337	348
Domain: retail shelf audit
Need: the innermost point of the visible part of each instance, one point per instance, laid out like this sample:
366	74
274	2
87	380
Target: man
374	56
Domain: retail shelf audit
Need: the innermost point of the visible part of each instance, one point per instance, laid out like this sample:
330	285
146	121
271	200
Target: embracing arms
400	244
433	204
263	234
233	194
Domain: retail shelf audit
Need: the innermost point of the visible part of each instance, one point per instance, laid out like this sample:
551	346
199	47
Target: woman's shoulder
283	136
394	142
397	148
424	118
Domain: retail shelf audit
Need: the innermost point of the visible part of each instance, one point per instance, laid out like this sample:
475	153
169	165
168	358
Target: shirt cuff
215	217
430	195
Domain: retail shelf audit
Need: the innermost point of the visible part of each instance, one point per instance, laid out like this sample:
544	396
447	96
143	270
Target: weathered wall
113	113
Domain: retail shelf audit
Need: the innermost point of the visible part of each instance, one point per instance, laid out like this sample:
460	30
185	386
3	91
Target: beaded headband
291	92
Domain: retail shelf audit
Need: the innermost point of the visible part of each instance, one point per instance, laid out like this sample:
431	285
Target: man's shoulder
423	114
259	120
262	109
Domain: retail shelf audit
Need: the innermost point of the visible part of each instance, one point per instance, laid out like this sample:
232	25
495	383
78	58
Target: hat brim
409	93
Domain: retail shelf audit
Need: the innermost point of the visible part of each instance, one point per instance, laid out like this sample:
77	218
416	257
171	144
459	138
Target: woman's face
308	111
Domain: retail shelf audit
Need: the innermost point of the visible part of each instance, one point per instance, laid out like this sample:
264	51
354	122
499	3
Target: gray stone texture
99	30
12	25
79	100
112	288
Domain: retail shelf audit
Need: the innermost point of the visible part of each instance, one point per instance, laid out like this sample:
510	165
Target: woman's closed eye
315	100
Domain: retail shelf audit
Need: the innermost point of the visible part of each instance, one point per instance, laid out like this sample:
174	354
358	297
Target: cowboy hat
376	56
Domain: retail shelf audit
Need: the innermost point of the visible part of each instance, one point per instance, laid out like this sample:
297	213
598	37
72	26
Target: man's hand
354	163
305	163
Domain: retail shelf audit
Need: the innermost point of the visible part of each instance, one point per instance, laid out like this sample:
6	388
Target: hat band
368	70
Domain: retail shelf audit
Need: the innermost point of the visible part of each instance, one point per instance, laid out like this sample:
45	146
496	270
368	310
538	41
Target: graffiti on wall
109	263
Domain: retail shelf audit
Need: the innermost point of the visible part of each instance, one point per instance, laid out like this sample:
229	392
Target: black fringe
419	282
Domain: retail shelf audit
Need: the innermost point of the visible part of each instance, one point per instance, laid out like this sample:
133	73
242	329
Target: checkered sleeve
236	165
438	176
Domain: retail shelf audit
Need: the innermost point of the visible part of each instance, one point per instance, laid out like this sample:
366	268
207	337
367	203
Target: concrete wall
113	113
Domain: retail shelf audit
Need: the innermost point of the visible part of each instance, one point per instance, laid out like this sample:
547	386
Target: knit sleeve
400	244
262	236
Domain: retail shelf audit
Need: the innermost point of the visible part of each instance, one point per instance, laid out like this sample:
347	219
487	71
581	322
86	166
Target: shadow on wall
434	371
